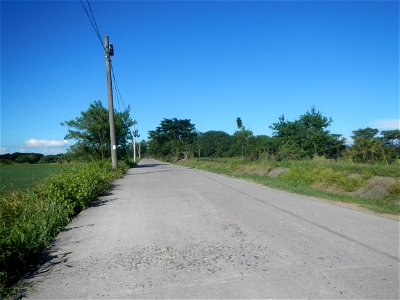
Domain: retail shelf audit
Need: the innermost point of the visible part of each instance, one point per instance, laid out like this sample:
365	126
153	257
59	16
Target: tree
289	150
369	148
365	133
241	139
26	158
265	146
391	141
239	123
212	144
172	138
241	142
335	146
308	134
143	148
391	137
91	131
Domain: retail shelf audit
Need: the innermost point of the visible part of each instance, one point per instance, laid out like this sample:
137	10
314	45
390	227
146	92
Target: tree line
306	137
30	158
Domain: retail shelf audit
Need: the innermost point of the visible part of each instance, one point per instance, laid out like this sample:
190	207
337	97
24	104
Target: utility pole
110	52
134	143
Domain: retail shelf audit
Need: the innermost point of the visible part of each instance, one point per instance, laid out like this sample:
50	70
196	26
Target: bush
291	151
30	220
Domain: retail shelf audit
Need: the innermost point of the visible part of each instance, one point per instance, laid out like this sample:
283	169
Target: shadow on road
39	268
51	257
143	173
150	165
100	202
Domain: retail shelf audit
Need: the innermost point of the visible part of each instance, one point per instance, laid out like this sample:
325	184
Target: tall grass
29	220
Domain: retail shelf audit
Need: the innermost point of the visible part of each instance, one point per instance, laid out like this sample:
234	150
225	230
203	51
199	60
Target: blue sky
210	62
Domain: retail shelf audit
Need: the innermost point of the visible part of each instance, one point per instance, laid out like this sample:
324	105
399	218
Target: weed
29	220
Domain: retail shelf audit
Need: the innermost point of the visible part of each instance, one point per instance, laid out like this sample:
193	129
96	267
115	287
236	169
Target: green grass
29	219
318	178
24	176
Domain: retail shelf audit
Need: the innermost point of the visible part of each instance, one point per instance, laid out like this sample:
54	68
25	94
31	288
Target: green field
24	176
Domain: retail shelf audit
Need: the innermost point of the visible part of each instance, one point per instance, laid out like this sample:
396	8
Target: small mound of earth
275	172
249	170
376	187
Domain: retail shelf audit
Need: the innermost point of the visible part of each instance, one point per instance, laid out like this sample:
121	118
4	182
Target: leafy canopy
91	131
172	138
307	136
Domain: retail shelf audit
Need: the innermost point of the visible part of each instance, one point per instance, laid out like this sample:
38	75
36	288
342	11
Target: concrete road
171	232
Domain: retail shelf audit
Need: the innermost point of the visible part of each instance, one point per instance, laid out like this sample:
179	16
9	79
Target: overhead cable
92	20
117	90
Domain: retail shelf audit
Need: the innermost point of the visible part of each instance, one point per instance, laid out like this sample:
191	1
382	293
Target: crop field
24	176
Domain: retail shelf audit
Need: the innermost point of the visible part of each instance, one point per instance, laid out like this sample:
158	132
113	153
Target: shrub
30	220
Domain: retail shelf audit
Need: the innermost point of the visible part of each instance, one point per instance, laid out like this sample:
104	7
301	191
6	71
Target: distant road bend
167	231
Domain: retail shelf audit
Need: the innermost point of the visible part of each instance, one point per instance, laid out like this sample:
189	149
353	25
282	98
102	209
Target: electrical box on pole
110	52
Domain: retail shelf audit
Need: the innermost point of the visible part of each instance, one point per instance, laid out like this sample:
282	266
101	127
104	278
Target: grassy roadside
318	178
30	219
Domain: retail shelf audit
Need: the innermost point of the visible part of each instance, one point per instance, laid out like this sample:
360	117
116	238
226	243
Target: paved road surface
172	232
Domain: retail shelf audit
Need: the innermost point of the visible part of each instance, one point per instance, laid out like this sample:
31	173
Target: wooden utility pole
110	52
134	143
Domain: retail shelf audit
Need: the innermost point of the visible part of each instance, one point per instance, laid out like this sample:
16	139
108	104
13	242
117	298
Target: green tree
29	158
335	146
265	146
239	123
143	148
290	150
369	148
172	138
241	145
391	137
91	131
365	133
242	139
212	144
308	135
391	141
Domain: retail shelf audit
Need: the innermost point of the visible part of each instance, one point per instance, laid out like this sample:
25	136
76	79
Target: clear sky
210	62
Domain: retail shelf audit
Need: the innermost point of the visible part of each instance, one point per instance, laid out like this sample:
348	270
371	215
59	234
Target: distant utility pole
134	143
110	52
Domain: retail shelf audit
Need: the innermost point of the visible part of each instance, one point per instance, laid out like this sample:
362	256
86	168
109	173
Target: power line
92	20
116	87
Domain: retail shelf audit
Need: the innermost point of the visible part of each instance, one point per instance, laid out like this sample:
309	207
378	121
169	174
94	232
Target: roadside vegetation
41	194
301	139
30	219
301	156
